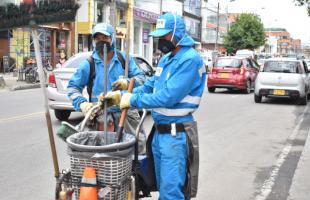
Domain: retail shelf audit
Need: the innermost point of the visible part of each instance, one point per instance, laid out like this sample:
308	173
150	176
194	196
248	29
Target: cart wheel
57	190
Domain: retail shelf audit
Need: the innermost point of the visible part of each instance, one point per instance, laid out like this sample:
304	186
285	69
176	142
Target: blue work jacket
174	92
80	78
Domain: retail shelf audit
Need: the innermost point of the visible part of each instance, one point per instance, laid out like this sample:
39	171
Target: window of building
193	7
192	27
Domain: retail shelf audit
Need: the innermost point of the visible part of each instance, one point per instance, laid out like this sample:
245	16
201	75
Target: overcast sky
274	13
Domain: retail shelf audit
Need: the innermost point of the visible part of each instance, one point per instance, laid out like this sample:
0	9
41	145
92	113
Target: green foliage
304	3
246	33
43	12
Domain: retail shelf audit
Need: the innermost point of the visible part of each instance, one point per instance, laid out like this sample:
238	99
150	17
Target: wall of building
192	18
209	27
144	23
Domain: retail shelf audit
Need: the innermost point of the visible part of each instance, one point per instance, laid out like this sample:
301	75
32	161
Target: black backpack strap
121	58
92	74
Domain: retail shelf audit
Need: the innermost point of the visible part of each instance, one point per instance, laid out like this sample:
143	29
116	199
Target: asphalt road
247	150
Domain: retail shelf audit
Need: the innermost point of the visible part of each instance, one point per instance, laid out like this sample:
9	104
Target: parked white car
59	78
245	53
283	78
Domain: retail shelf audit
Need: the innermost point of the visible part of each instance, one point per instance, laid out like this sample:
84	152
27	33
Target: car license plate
224	75
279	92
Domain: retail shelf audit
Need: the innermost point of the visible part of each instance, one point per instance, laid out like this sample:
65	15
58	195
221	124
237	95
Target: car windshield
281	66
75	61
228	62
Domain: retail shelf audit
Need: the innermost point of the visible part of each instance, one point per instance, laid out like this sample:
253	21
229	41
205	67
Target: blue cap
172	23
167	23
103	28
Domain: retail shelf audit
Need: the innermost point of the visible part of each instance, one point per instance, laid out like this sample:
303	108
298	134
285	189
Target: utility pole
160	7
113	13
128	34
217	26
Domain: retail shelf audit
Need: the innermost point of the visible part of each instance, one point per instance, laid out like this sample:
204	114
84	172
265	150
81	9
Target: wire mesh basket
113	161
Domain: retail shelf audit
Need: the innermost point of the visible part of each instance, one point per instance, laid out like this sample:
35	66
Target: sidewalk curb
300	183
24	87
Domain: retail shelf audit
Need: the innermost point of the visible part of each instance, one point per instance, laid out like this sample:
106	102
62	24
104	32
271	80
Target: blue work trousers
170	155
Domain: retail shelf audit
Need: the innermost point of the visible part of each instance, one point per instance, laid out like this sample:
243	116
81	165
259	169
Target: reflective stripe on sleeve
202	70
73	96
74	93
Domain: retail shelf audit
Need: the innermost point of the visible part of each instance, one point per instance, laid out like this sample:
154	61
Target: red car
233	73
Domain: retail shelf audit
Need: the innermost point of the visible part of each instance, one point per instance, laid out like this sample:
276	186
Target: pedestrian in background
62	58
173	94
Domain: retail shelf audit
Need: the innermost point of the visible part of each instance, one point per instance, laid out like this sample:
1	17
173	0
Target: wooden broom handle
124	111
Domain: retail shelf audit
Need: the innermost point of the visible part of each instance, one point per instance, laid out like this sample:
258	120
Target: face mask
165	46
100	45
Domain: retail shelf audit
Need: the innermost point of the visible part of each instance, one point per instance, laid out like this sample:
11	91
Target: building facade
17	43
280	42
214	27
192	18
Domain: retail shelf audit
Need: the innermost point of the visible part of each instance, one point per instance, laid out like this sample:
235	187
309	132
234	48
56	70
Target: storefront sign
145	16
145	35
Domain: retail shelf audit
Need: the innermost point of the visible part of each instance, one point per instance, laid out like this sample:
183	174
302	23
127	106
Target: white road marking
269	183
235	96
20	117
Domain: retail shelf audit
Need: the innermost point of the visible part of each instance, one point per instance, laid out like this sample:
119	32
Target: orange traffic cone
88	189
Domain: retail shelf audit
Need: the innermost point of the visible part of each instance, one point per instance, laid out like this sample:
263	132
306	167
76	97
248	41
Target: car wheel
303	100
62	115
248	87
257	98
211	89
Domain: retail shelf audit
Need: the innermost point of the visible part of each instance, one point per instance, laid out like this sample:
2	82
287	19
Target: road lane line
269	183
20	117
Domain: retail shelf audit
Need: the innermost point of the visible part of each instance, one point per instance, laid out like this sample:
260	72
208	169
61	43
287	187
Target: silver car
58	81
283	78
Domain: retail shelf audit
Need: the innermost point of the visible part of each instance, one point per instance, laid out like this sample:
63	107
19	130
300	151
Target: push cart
115	163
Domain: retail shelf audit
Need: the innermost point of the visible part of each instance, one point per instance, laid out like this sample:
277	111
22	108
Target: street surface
247	150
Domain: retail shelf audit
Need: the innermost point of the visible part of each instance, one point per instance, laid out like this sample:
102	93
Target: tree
247	33
304	3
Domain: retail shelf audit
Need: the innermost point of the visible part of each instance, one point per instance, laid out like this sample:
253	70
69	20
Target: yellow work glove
125	101
85	107
120	84
112	98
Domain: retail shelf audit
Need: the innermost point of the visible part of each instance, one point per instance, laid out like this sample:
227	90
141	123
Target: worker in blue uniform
103	34
173	94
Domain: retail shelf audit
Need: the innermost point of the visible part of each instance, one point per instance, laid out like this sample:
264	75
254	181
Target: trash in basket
113	161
